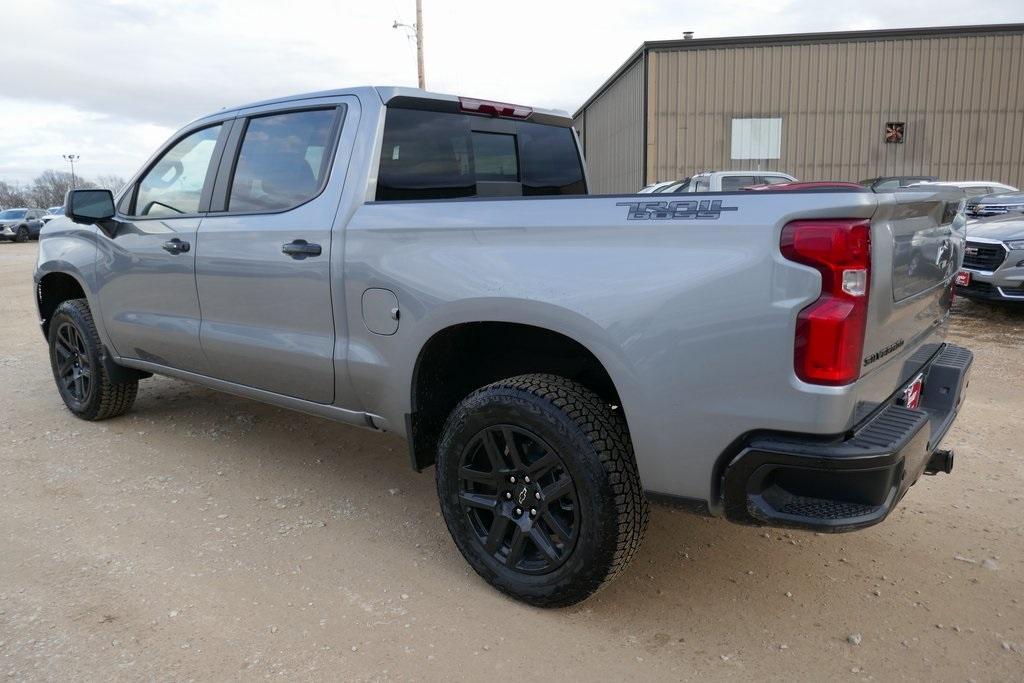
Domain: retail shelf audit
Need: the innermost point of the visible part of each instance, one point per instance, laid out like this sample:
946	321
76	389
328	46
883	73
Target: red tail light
514	111
830	332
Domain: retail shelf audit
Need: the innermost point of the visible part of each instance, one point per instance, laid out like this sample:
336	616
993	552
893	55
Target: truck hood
1008	227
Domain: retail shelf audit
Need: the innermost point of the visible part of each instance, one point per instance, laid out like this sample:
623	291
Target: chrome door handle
176	246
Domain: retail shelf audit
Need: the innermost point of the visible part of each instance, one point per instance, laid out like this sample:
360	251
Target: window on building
756	138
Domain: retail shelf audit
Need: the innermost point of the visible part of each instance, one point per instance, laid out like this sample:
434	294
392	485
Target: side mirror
89	206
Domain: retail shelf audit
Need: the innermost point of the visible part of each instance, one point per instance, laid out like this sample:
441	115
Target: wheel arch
54	288
462	356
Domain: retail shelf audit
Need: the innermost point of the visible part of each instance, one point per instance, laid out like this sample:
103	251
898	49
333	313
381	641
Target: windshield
678	186
12	213
56	211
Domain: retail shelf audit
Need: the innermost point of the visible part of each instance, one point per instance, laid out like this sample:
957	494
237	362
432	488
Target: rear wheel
76	360
21	235
539	488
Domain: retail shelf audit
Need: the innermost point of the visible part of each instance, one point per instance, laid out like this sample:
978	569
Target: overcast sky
112	79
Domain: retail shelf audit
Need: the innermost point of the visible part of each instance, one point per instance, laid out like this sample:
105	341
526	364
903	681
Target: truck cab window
283	161
173	185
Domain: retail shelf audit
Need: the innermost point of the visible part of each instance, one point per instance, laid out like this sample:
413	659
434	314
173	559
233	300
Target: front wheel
539	488
21	235
76	360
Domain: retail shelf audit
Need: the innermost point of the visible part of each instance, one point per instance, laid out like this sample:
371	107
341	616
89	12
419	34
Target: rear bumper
854	481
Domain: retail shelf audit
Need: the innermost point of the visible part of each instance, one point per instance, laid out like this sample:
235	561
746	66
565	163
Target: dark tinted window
550	160
731	183
495	157
435	155
174	184
283	160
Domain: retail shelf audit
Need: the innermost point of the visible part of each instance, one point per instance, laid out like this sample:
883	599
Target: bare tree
110	181
49	188
12	195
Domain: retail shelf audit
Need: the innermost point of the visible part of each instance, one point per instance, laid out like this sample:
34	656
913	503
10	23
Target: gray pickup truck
431	266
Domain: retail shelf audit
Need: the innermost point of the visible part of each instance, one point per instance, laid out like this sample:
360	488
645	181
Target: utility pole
417	29
419	45
71	159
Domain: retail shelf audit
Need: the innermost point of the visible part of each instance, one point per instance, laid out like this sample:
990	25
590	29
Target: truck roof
386	93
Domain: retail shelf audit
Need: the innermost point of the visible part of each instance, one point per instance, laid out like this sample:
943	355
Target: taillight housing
830	332
491	108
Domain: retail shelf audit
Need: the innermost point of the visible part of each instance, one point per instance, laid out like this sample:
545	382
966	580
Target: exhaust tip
941	461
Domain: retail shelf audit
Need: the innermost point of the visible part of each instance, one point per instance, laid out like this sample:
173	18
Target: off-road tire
103	399
592	440
22	235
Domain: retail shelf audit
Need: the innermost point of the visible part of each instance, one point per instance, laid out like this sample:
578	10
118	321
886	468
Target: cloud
109	79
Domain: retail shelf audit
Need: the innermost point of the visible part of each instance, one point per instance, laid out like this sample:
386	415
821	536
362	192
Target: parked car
655	188
20	225
386	257
51	213
724	181
973	188
993	267
995	204
894	182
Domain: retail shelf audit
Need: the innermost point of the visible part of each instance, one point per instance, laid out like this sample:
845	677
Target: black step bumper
854	481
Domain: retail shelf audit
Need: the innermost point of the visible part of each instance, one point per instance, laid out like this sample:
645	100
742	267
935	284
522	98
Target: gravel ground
209	537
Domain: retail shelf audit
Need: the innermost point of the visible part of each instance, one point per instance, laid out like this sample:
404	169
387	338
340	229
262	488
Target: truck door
263	268
146	267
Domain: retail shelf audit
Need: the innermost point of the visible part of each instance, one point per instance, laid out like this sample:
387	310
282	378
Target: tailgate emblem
883	352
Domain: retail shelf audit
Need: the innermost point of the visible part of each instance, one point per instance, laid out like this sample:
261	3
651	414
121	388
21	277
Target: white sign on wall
756	138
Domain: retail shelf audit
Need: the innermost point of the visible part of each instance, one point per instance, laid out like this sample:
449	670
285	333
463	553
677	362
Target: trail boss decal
705	209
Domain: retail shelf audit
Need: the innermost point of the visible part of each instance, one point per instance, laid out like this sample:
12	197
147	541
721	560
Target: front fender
70	249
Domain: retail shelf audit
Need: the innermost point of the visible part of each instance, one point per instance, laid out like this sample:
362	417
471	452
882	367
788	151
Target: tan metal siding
959	96
613	132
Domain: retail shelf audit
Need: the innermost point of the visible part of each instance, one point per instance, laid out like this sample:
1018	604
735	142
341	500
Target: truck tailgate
917	246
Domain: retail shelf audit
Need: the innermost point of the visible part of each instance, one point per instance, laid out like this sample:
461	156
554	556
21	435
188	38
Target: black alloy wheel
80	370
519	499
539	488
74	371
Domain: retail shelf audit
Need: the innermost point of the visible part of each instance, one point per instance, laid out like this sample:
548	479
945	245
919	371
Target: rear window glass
731	183
437	155
494	157
282	160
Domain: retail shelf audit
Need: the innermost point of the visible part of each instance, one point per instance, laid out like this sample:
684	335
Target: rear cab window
430	154
283	160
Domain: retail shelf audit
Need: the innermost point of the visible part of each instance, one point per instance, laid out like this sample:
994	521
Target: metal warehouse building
947	102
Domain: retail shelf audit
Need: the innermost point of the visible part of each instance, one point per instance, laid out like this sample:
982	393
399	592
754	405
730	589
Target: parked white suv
974	188
721	181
